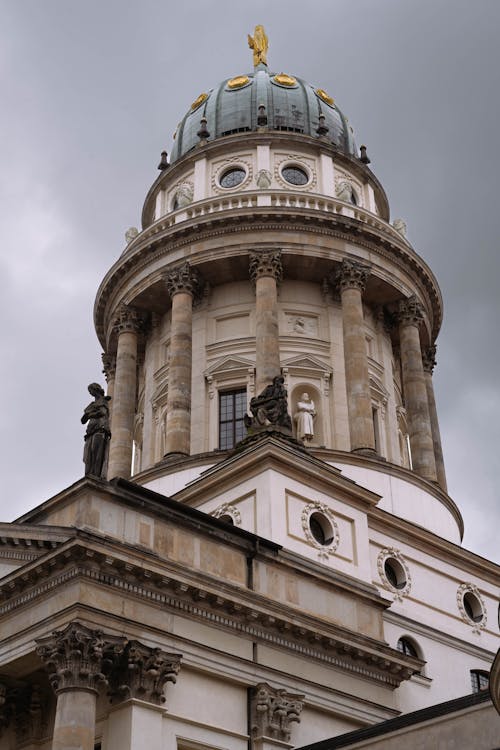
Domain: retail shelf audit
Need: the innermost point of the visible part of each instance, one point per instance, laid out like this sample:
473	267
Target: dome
264	99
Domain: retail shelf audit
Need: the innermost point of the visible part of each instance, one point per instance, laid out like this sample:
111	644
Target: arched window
407	647
480	680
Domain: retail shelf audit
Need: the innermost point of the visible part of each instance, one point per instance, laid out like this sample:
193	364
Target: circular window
395	573
295	175
473	608
227	519
321	529
232	177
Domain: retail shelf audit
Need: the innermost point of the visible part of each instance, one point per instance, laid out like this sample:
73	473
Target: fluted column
352	281
183	284
124	394
415	391
266	272
429	362
74	658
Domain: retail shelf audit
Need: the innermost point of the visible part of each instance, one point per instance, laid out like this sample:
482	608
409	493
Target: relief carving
142	672
184	278
274	711
266	263
410	311
353	275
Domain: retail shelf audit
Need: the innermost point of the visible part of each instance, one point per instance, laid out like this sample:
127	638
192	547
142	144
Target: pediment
307	362
228	364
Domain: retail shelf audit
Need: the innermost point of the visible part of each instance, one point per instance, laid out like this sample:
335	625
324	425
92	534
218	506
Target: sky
91	94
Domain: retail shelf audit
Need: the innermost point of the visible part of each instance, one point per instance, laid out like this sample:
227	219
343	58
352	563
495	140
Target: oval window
321	529
473	608
232	177
295	175
395	573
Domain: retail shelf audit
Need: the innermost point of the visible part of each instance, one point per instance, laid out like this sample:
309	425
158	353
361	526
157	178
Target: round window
227	519
295	175
395	573
473	608
321	528
232	177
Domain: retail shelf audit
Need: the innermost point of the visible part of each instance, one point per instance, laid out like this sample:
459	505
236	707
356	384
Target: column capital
429	358
77	657
410	311
142	672
128	319
108	365
266	263
353	275
273	711
184	278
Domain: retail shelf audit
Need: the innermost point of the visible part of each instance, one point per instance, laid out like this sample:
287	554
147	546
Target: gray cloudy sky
92	92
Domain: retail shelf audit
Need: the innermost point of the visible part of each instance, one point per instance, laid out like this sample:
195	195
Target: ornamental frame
227	509
324	551
470	588
218	169
295	160
386	554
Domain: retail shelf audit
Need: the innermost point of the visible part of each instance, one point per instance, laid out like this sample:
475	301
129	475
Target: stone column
272	714
183	284
124	394
414	389
75	658
352	280
429	362
266	272
109	370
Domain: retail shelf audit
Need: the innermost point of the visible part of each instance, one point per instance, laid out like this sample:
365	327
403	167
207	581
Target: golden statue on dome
259	44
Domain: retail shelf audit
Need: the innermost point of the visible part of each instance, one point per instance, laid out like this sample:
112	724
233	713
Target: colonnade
265	269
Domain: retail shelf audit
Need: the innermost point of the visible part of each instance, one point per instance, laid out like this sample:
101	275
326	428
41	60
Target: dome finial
259	44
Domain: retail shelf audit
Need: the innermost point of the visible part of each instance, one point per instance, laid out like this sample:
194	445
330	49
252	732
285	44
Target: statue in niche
304	417
270	407
344	191
97	435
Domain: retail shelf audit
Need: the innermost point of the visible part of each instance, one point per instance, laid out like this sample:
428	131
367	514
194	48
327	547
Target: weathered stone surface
273	711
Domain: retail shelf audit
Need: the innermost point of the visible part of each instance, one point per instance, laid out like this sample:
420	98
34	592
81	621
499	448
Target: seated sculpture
270	407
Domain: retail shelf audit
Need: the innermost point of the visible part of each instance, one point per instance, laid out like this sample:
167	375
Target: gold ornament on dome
285	80
199	100
326	97
259	44
237	82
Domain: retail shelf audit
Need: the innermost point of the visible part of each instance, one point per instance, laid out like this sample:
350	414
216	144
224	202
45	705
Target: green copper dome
264	99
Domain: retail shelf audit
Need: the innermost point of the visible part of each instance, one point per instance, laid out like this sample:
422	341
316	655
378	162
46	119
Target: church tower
273	533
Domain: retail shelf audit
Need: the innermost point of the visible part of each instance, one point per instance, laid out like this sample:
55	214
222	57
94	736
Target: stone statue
97	435
304	417
344	191
131	234
400	226
184	195
259	44
270	407
264	179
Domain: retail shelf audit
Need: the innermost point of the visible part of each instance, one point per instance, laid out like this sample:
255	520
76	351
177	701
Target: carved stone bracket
429	358
353	274
78	658
266	263
128	319
410	311
273	711
142	672
184	278
108	365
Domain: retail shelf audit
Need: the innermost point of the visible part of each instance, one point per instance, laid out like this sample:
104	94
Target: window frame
235	420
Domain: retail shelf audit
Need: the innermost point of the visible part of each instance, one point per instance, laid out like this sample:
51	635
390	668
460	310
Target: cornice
168	239
230	608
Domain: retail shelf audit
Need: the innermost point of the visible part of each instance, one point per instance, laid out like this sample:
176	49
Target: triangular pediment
306	362
228	364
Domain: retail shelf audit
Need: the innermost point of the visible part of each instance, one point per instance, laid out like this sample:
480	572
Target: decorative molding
245	162
184	278
142	672
273	711
227	509
266	263
128	320
386	554
324	551
292	160
353	275
410	311
429	358
470	588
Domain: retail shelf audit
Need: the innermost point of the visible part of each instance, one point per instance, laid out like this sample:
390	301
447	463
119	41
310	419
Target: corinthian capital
184	278
410	311
142	672
128	319
78	658
273	711
429	358
108	365
353	275
266	263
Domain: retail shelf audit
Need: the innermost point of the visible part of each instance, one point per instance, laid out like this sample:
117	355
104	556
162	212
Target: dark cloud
92	93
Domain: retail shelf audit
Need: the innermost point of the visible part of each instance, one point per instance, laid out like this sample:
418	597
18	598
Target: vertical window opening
232	408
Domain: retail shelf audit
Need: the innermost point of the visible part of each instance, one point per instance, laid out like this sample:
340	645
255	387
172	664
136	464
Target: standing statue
304	417
98	433
259	44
